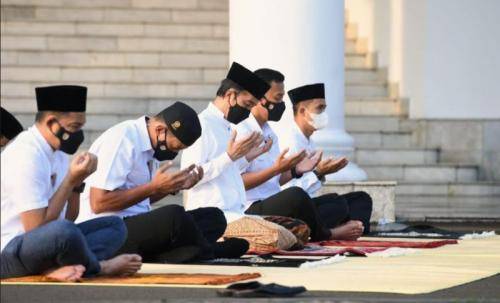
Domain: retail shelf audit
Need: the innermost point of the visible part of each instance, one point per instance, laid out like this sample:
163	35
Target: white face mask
318	121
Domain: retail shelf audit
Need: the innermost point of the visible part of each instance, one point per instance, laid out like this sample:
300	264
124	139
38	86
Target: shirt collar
144	140
215	111
47	149
299	132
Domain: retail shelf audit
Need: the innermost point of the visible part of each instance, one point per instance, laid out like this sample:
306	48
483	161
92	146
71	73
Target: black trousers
155	233
336	209
293	202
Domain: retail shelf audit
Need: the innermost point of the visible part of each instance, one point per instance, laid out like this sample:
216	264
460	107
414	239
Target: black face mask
275	110
237	114
162	152
69	141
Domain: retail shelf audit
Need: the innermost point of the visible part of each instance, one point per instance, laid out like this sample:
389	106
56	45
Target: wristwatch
79	189
320	177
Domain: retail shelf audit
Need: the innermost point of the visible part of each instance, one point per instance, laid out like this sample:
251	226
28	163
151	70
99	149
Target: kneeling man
128	180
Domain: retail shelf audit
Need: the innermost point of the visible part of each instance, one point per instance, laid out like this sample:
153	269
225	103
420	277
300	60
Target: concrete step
383	107
423	173
359	61
351	31
126	14
372	124
137	4
203	86
384	156
146	76
449	189
123	60
97	29
382	139
125	106
355	46
454	208
356	75
94	122
115	44
120	90
365	90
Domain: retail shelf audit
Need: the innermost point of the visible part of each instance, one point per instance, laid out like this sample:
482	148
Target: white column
304	39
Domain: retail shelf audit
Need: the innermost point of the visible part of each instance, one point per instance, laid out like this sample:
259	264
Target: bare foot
70	273
350	230
122	265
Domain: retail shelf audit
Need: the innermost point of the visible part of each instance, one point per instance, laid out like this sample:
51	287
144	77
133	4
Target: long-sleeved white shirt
264	161
221	185
292	137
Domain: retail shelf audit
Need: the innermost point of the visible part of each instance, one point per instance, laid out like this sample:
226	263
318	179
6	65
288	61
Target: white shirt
31	173
292	137
221	185
264	161
125	160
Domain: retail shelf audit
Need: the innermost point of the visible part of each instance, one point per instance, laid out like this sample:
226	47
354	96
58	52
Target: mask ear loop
161	146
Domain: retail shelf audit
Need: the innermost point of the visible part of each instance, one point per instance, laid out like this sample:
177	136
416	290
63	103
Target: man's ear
50	121
230	97
302	109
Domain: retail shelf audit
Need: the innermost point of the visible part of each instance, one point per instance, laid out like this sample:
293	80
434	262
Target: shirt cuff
224	160
242	164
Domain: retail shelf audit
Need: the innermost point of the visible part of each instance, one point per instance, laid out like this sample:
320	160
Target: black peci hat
183	121
307	92
61	98
248	80
10	125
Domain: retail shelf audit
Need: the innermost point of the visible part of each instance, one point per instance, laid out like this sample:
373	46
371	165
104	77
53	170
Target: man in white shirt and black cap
217	152
265	175
346	210
11	127
129	179
224	159
40	198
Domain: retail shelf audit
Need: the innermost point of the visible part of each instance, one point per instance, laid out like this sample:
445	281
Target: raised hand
331	165
284	164
165	182
309	162
194	177
82	165
258	150
238	149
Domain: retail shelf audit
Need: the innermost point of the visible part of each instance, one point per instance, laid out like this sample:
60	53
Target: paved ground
486	290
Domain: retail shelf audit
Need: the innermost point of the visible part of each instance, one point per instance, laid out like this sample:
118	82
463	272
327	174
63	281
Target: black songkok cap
307	92
10	126
183	121
247	80
61	98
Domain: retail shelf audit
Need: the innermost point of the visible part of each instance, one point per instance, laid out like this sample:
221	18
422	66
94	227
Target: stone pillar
304	39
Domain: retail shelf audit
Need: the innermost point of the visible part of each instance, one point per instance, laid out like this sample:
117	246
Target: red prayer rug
387	244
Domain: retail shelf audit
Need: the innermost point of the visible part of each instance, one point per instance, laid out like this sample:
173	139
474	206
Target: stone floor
485	290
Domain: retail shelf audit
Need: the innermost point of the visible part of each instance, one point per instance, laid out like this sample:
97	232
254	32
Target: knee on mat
65	231
298	195
119	227
172	210
365	197
217	216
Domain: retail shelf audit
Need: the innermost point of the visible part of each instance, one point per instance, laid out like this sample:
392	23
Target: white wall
463	59
443	53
